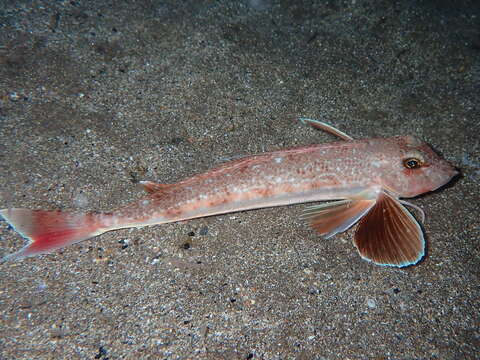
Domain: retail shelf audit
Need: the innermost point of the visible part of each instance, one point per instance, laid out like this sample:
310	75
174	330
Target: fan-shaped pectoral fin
389	234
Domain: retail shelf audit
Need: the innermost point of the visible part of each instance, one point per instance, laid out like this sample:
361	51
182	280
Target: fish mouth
454	172
451	173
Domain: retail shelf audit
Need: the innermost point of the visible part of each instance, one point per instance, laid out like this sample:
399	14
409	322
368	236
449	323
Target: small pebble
371	304
80	201
14	96
203	231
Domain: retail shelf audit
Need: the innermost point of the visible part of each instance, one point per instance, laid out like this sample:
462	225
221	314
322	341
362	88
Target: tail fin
50	230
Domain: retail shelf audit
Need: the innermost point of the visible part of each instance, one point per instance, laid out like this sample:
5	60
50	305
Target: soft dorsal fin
326	127
152	187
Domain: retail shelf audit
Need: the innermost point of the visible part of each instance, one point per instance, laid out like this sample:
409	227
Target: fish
363	181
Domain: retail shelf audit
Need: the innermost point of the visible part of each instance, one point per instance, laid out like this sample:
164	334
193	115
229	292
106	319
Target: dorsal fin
326	127
151	187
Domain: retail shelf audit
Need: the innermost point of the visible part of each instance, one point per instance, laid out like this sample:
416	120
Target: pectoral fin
337	216
389	234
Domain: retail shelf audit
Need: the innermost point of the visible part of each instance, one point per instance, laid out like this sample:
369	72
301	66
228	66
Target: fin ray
419	209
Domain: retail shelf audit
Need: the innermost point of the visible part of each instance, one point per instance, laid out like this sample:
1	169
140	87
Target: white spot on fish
145	202
278	160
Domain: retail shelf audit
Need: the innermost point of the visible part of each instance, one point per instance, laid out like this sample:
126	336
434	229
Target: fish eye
412	163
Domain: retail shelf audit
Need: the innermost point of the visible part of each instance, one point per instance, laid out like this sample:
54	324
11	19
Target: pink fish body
366	178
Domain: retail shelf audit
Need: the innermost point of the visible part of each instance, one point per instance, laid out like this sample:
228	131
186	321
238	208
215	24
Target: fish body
366	177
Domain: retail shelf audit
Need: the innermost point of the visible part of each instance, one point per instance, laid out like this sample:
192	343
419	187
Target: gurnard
363	180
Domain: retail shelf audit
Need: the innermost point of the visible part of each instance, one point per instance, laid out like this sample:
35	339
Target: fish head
411	167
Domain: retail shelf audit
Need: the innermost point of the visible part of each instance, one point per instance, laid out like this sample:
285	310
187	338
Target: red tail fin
50	230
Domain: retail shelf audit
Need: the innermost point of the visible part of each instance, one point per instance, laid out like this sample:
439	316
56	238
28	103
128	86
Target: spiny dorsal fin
326	127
